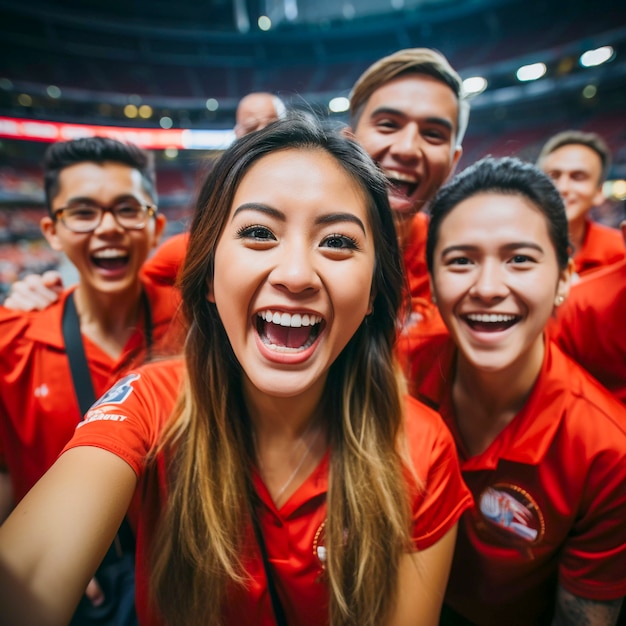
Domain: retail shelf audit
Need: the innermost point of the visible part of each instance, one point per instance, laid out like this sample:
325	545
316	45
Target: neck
108	319
577	231
290	439
486	402
275	418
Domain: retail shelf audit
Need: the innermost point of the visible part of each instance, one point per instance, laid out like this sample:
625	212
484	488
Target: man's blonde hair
409	61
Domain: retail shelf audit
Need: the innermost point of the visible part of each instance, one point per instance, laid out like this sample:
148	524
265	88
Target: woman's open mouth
288	332
490	322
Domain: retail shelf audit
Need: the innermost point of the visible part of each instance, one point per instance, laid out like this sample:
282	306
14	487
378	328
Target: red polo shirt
590	326
549	491
127	421
164	265
38	407
424	317
602	246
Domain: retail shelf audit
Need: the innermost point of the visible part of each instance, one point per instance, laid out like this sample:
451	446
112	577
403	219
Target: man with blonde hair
409	112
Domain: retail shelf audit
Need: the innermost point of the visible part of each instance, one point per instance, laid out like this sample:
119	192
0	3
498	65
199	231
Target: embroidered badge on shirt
513	510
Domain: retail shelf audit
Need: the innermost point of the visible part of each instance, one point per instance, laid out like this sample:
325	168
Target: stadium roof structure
190	61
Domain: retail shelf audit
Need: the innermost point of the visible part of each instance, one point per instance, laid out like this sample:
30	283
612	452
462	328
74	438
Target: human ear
456	155
159	225
49	230
347	132
599	197
564	284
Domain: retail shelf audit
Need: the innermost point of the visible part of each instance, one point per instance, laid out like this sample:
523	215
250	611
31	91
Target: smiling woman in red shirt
281	475
541	444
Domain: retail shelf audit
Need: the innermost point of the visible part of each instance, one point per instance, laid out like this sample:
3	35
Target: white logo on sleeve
114	396
119	392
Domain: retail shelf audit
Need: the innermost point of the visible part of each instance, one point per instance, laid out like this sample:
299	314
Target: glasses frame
149	211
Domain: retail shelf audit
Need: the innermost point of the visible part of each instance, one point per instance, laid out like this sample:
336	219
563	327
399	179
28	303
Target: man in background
578	164
102	214
589	326
254	112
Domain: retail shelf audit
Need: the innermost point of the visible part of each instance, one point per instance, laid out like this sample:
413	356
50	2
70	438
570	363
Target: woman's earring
558	301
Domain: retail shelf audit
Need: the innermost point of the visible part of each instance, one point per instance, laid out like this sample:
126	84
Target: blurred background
168	75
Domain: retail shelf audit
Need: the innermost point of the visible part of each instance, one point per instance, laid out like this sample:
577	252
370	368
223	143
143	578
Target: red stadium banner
149	138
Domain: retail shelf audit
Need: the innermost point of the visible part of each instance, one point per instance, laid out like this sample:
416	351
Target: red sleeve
443	495
592	561
163	266
127	419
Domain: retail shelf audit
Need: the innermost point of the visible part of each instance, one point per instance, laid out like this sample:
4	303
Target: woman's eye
459	260
521	258
255	232
386	124
340	242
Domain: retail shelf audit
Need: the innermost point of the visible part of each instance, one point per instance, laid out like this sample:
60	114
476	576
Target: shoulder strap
83	387
147	323
277	606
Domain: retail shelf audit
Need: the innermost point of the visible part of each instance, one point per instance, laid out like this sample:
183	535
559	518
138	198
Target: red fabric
562	459
163	266
424	318
38	406
602	246
128	422
590	326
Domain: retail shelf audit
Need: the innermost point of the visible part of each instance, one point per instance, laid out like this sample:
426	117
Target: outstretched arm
423	578
52	543
35	292
573	610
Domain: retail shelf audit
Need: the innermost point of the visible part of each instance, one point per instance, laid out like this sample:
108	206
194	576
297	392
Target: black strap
277	606
83	387
147	323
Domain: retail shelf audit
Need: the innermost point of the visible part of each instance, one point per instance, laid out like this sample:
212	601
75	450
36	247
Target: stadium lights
339	104
615	189
53	91
264	22
130	110
598	56
531	72
474	85
145	111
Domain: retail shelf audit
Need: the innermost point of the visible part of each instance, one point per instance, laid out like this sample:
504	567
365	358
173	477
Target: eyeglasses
85	217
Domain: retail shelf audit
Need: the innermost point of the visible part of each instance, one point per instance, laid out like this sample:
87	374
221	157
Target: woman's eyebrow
261	208
328	218
515	245
333	218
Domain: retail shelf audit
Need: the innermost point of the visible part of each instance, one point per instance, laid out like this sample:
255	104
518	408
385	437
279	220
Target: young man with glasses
101	198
